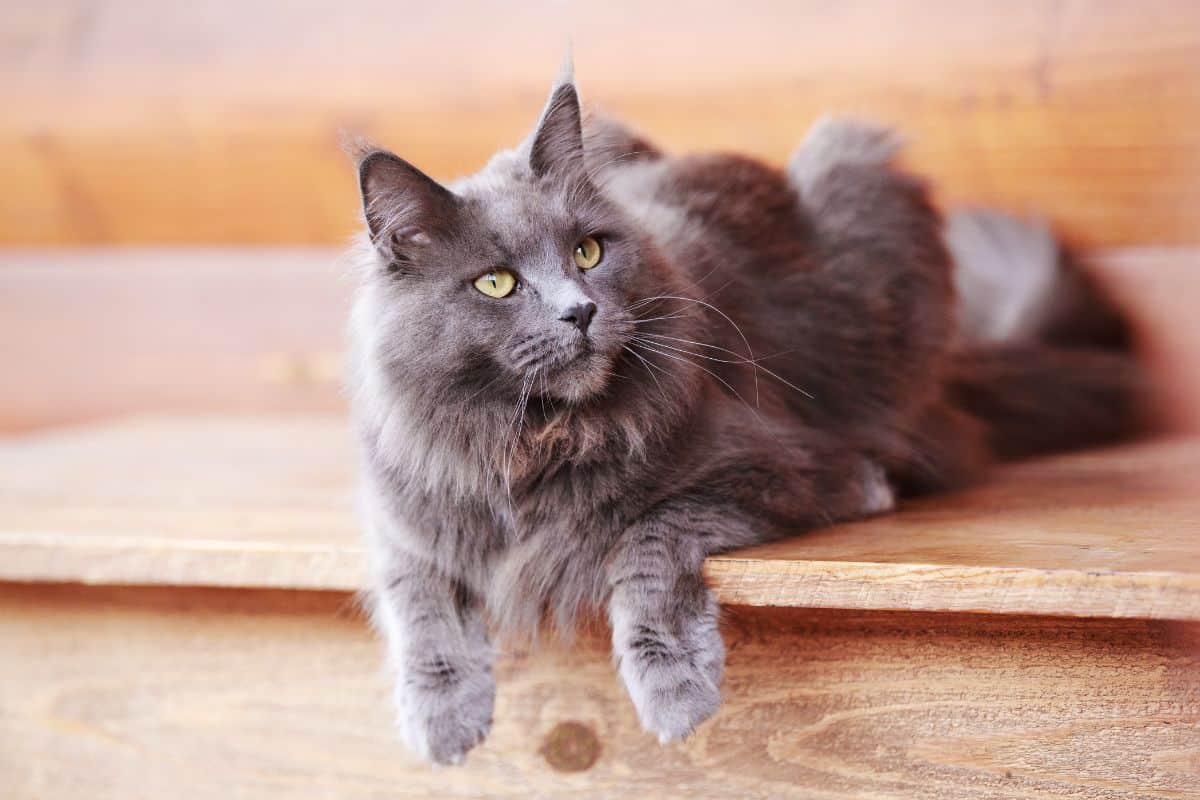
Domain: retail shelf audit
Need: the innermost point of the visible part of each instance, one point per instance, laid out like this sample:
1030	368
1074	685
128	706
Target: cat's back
724	211
743	198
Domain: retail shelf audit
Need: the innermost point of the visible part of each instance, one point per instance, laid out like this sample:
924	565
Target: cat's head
518	279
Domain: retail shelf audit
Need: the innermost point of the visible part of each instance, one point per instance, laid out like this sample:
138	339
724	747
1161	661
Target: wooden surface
267	502
195	695
1109	534
90	333
220	121
201	501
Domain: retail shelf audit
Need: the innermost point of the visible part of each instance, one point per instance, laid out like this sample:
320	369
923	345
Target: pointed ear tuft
403	206
558	140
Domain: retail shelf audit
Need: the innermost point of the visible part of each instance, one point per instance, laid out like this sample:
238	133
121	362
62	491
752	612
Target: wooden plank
98	332
267	502
219	122
204	694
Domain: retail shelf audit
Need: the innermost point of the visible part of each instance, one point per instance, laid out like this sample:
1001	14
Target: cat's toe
675	694
443	725
450	739
673	712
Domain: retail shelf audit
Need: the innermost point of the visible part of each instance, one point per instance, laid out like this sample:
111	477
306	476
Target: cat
579	372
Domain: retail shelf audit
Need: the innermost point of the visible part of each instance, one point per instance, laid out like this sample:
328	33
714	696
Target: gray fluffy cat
580	371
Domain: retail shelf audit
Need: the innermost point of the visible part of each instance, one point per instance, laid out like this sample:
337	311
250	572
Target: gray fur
1008	275
837	141
762	361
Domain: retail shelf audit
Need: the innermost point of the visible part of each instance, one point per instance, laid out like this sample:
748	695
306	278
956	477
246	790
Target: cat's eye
588	253
497	283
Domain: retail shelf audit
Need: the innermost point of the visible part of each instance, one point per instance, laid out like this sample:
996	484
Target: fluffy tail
1036	399
1045	360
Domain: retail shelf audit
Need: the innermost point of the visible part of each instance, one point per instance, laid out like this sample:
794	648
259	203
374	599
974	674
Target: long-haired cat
582	370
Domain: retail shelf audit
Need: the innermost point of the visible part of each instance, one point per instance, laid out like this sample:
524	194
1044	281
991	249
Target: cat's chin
581	379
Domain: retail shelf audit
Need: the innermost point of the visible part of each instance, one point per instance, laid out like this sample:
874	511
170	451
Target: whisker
643	301
542	394
644	320
755	361
715	347
708	274
518	414
706	369
694	354
728	319
719	289
736	393
739	360
648	366
517	438
482	389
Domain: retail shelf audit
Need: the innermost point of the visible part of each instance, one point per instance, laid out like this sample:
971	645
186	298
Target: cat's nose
580	315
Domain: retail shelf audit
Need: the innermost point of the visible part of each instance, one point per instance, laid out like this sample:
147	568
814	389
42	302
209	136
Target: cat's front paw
443	710
672	703
674	682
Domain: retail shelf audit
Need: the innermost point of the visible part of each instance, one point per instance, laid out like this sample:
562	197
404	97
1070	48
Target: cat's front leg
664	626
441	659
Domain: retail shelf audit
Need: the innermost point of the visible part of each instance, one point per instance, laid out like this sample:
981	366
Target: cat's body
757	353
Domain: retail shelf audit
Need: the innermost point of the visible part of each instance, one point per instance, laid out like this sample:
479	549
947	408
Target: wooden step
266	503
197	662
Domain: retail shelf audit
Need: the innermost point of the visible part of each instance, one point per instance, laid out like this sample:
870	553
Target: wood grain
219	122
205	694
267	502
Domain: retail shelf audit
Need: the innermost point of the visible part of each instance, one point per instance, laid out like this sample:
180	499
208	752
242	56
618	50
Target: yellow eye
497	283
588	253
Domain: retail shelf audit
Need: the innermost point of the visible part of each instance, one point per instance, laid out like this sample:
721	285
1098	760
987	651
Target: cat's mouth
575	373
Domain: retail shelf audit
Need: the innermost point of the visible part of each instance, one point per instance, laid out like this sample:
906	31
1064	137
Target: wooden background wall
179	123
127	121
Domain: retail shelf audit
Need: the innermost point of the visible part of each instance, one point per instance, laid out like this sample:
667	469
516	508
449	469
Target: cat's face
517	280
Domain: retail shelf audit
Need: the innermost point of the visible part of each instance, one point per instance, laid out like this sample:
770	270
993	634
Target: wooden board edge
954	588
736	581
163	562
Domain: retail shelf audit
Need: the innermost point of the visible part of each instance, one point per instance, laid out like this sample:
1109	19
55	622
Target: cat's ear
403	206
557	142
